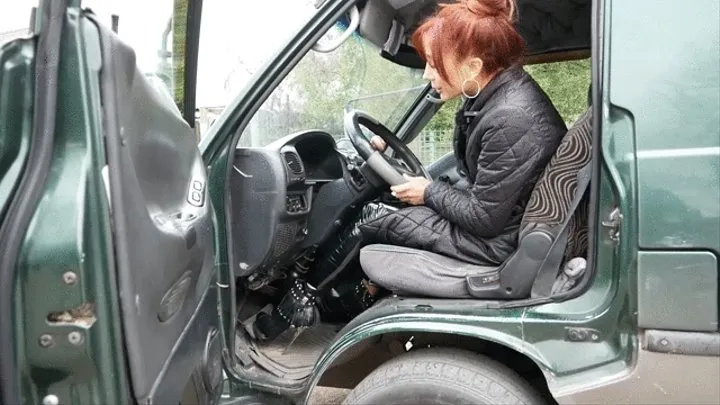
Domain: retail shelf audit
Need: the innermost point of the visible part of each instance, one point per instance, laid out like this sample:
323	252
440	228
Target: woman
506	132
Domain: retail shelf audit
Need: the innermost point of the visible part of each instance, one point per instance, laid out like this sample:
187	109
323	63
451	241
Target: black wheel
443	376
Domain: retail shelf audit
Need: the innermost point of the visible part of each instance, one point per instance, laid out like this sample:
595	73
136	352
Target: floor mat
294	359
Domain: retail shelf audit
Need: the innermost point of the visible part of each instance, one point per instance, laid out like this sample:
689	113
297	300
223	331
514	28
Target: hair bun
492	8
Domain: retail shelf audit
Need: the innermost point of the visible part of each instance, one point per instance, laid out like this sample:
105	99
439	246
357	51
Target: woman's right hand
378	143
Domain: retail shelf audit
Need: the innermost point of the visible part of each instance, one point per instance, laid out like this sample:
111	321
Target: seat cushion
415	272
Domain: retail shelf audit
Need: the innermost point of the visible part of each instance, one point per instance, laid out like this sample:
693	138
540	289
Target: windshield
323	86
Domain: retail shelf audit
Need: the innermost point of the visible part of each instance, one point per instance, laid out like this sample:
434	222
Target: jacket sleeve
511	156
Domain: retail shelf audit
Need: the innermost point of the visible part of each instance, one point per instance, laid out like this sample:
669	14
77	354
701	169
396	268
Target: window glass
566	83
322	86
237	38
156	32
15	20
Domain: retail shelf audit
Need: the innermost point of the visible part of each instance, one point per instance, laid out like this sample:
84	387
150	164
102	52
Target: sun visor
376	21
379	25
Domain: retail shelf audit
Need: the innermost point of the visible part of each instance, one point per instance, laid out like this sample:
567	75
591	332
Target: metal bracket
612	223
573	334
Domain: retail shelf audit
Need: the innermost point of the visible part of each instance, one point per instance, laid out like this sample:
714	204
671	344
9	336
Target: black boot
297	309
344	302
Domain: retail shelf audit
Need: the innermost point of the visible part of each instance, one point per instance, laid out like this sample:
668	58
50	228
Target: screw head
594	337
70	277
75	338
46	340
51	400
664	342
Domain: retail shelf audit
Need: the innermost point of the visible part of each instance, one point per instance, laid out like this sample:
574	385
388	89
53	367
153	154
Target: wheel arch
365	347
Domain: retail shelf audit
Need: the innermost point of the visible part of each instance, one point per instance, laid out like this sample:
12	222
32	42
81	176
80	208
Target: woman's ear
472	68
475	66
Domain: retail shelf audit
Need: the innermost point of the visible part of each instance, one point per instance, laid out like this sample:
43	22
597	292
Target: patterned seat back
556	188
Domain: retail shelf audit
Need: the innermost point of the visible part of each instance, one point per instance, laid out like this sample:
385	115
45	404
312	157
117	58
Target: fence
430	146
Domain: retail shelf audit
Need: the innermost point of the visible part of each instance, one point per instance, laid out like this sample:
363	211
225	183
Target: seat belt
548	272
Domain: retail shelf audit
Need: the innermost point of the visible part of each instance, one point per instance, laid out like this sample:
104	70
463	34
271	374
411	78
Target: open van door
108	242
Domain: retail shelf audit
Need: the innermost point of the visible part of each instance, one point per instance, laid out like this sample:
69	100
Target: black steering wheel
390	169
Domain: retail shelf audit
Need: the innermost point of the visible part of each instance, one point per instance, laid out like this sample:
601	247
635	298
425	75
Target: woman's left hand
412	192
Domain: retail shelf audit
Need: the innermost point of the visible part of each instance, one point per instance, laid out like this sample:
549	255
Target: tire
443	376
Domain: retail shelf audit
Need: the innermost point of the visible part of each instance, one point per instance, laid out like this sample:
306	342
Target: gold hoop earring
477	86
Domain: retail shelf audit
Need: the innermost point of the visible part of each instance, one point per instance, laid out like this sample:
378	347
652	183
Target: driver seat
553	232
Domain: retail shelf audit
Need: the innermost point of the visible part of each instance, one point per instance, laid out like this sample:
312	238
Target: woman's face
451	87
448	89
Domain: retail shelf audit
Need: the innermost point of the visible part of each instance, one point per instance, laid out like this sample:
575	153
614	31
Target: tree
179	33
324	84
567	84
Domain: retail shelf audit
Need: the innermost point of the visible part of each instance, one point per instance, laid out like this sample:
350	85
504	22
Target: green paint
70	231
660	167
17	77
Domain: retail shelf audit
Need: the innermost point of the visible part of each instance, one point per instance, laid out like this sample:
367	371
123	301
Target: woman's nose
427	74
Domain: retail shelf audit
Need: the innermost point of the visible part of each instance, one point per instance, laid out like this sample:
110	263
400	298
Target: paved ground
328	396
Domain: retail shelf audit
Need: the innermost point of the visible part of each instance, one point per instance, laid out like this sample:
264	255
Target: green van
141	242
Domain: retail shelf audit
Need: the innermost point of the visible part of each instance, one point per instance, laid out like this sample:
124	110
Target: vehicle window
156	32
9	35
566	83
237	38
320	88
234	43
15	20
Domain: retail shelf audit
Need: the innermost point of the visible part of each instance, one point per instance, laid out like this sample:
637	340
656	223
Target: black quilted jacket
504	138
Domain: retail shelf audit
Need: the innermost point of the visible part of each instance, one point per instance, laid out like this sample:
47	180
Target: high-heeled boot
346	301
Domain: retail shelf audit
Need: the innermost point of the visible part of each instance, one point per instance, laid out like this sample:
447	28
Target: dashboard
288	196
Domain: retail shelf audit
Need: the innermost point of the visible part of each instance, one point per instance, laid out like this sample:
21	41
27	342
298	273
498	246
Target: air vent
293	162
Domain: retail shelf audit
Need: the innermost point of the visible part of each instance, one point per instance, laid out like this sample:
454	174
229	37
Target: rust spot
82	316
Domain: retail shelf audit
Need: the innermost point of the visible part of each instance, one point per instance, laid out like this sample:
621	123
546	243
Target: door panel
673	92
673	115
664	279
163	229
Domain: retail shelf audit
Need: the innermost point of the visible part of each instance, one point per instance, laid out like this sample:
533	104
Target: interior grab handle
354	24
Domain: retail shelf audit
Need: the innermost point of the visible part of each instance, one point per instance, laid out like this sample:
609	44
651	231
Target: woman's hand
412	192
378	143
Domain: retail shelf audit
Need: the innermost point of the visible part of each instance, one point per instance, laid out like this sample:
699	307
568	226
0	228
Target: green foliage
355	75
179	32
443	123
566	83
316	93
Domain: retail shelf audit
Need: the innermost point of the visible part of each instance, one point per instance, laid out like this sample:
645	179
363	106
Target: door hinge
612	223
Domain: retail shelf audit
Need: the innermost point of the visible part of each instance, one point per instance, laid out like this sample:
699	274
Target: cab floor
293	359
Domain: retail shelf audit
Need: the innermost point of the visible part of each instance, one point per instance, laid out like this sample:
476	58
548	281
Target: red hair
471	28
